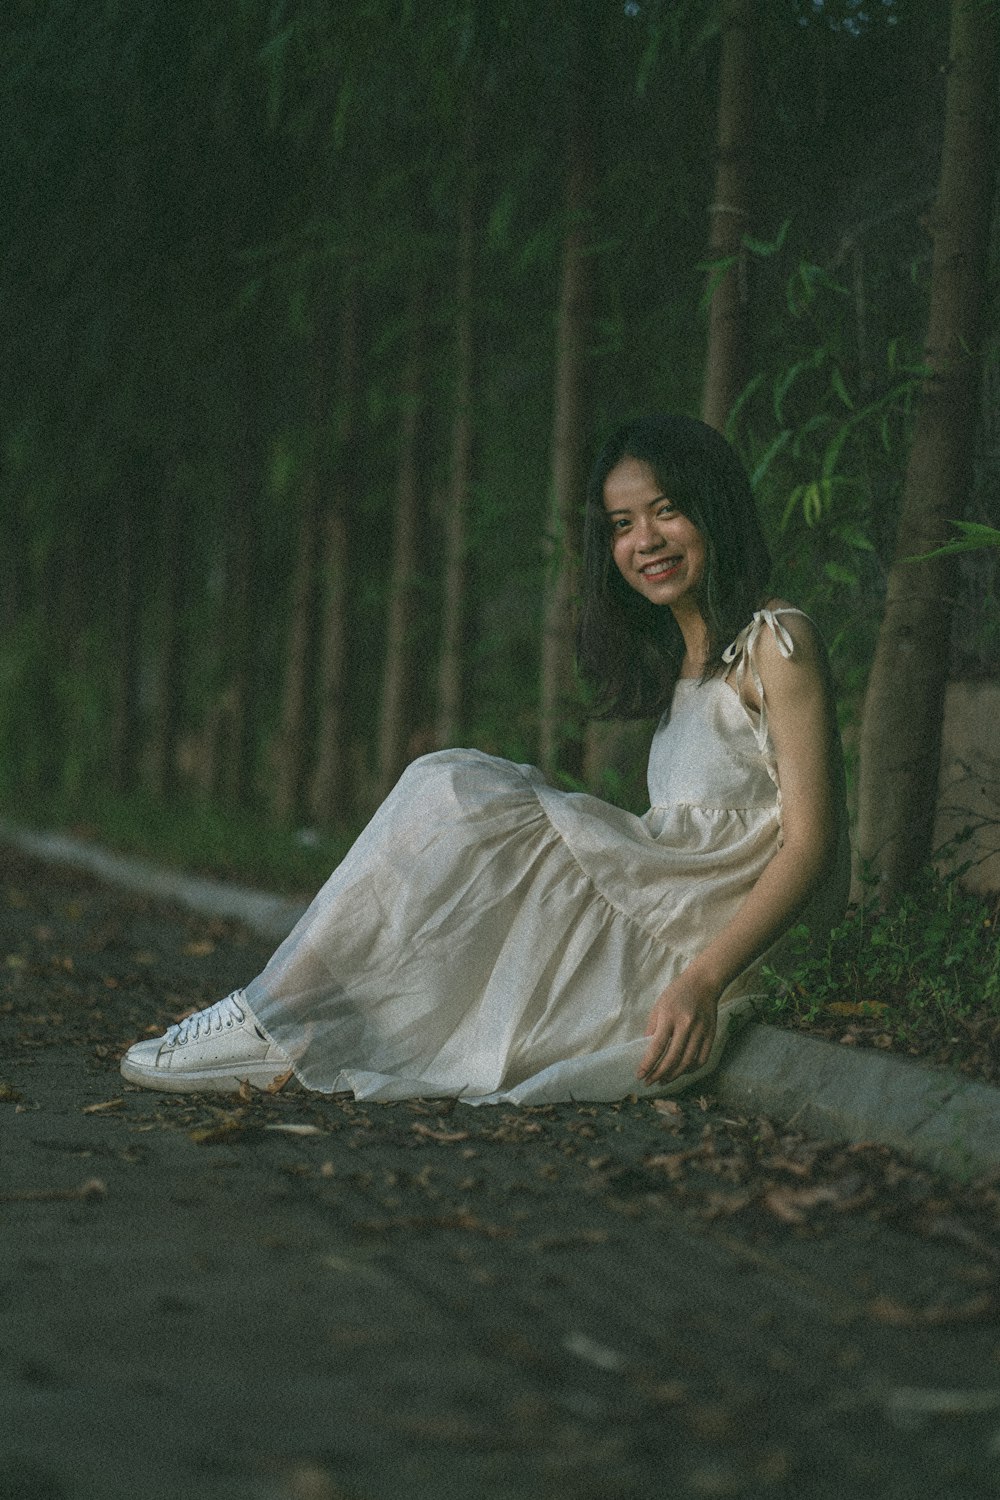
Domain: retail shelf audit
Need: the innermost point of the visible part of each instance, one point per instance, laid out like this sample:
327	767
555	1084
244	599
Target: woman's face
657	550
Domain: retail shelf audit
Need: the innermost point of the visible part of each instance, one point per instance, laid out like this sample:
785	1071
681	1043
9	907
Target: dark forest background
315	314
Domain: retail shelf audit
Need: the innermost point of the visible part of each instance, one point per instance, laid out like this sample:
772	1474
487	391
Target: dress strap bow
741	651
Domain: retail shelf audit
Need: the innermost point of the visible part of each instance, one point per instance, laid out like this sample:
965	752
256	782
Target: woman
492	939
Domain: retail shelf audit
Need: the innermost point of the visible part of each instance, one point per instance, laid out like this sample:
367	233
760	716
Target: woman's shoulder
776	628
789	622
779	650
792	646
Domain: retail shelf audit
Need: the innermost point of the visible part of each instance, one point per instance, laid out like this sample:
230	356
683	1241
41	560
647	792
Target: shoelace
223	1013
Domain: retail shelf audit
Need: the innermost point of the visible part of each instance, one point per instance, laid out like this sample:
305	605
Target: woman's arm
803	731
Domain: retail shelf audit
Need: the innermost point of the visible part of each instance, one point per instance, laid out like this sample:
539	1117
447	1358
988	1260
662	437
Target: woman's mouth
663	567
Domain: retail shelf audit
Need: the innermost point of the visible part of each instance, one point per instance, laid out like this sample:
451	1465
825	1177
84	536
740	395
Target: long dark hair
629	651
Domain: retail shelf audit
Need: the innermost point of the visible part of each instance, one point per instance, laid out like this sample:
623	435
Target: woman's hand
681	1029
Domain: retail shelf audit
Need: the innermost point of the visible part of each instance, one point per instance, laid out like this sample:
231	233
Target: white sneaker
219	1048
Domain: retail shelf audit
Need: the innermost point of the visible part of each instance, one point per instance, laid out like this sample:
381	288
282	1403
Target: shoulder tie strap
741	651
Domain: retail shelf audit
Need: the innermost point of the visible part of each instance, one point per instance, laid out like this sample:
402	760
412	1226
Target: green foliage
195	836
973	537
825	437
926	962
179	264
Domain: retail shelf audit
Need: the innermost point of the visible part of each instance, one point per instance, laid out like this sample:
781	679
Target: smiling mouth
664	567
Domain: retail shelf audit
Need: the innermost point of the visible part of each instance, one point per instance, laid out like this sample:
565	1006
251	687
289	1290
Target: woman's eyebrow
626	510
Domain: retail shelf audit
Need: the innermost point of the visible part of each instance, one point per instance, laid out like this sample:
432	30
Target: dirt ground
293	1297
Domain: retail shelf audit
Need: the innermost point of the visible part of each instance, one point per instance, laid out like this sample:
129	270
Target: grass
921	976
195	836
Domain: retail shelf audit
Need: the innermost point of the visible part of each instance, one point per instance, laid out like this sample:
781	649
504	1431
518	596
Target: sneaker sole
205	1080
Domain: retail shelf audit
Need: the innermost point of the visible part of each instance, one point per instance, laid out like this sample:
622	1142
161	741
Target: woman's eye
667	509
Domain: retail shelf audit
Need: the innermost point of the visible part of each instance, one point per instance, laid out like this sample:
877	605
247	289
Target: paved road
297	1298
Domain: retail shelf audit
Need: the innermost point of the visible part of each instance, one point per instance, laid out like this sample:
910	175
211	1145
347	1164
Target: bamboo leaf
854	536
770	454
749	390
831	457
791	505
716	271
787	379
975	537
812	503
837	380
765	248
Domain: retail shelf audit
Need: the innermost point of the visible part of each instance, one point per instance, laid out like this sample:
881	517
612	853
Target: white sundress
493	939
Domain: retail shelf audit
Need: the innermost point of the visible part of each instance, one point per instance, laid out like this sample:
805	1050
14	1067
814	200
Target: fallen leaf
910	1401
671	1162
784	1164
200	949
593	1353
9	1094
574	1237
899	1315
460	1220
667	1107
94	1187
223	1130
790	1204
105	1104
292	1129
719	1204
669	1392
277	1084
444	1137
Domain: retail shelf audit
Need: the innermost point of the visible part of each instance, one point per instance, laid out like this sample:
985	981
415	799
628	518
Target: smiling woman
630	649
656	549
495	940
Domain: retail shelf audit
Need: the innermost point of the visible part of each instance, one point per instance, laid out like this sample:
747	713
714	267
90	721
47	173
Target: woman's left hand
681	1029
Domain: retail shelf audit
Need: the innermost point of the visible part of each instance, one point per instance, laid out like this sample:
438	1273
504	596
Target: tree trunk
294	734
727	363
174	544
126	725
901	729
450	662
329	791
560	745
231	752
394	728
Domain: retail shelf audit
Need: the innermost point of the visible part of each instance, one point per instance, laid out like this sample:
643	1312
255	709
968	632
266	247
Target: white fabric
490	938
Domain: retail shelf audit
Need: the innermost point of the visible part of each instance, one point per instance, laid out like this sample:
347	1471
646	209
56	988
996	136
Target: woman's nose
647	536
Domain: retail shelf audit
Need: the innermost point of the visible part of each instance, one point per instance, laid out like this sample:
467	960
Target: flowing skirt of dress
492	939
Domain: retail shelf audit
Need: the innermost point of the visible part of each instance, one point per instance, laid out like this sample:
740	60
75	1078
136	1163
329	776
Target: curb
939	1118
271	916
